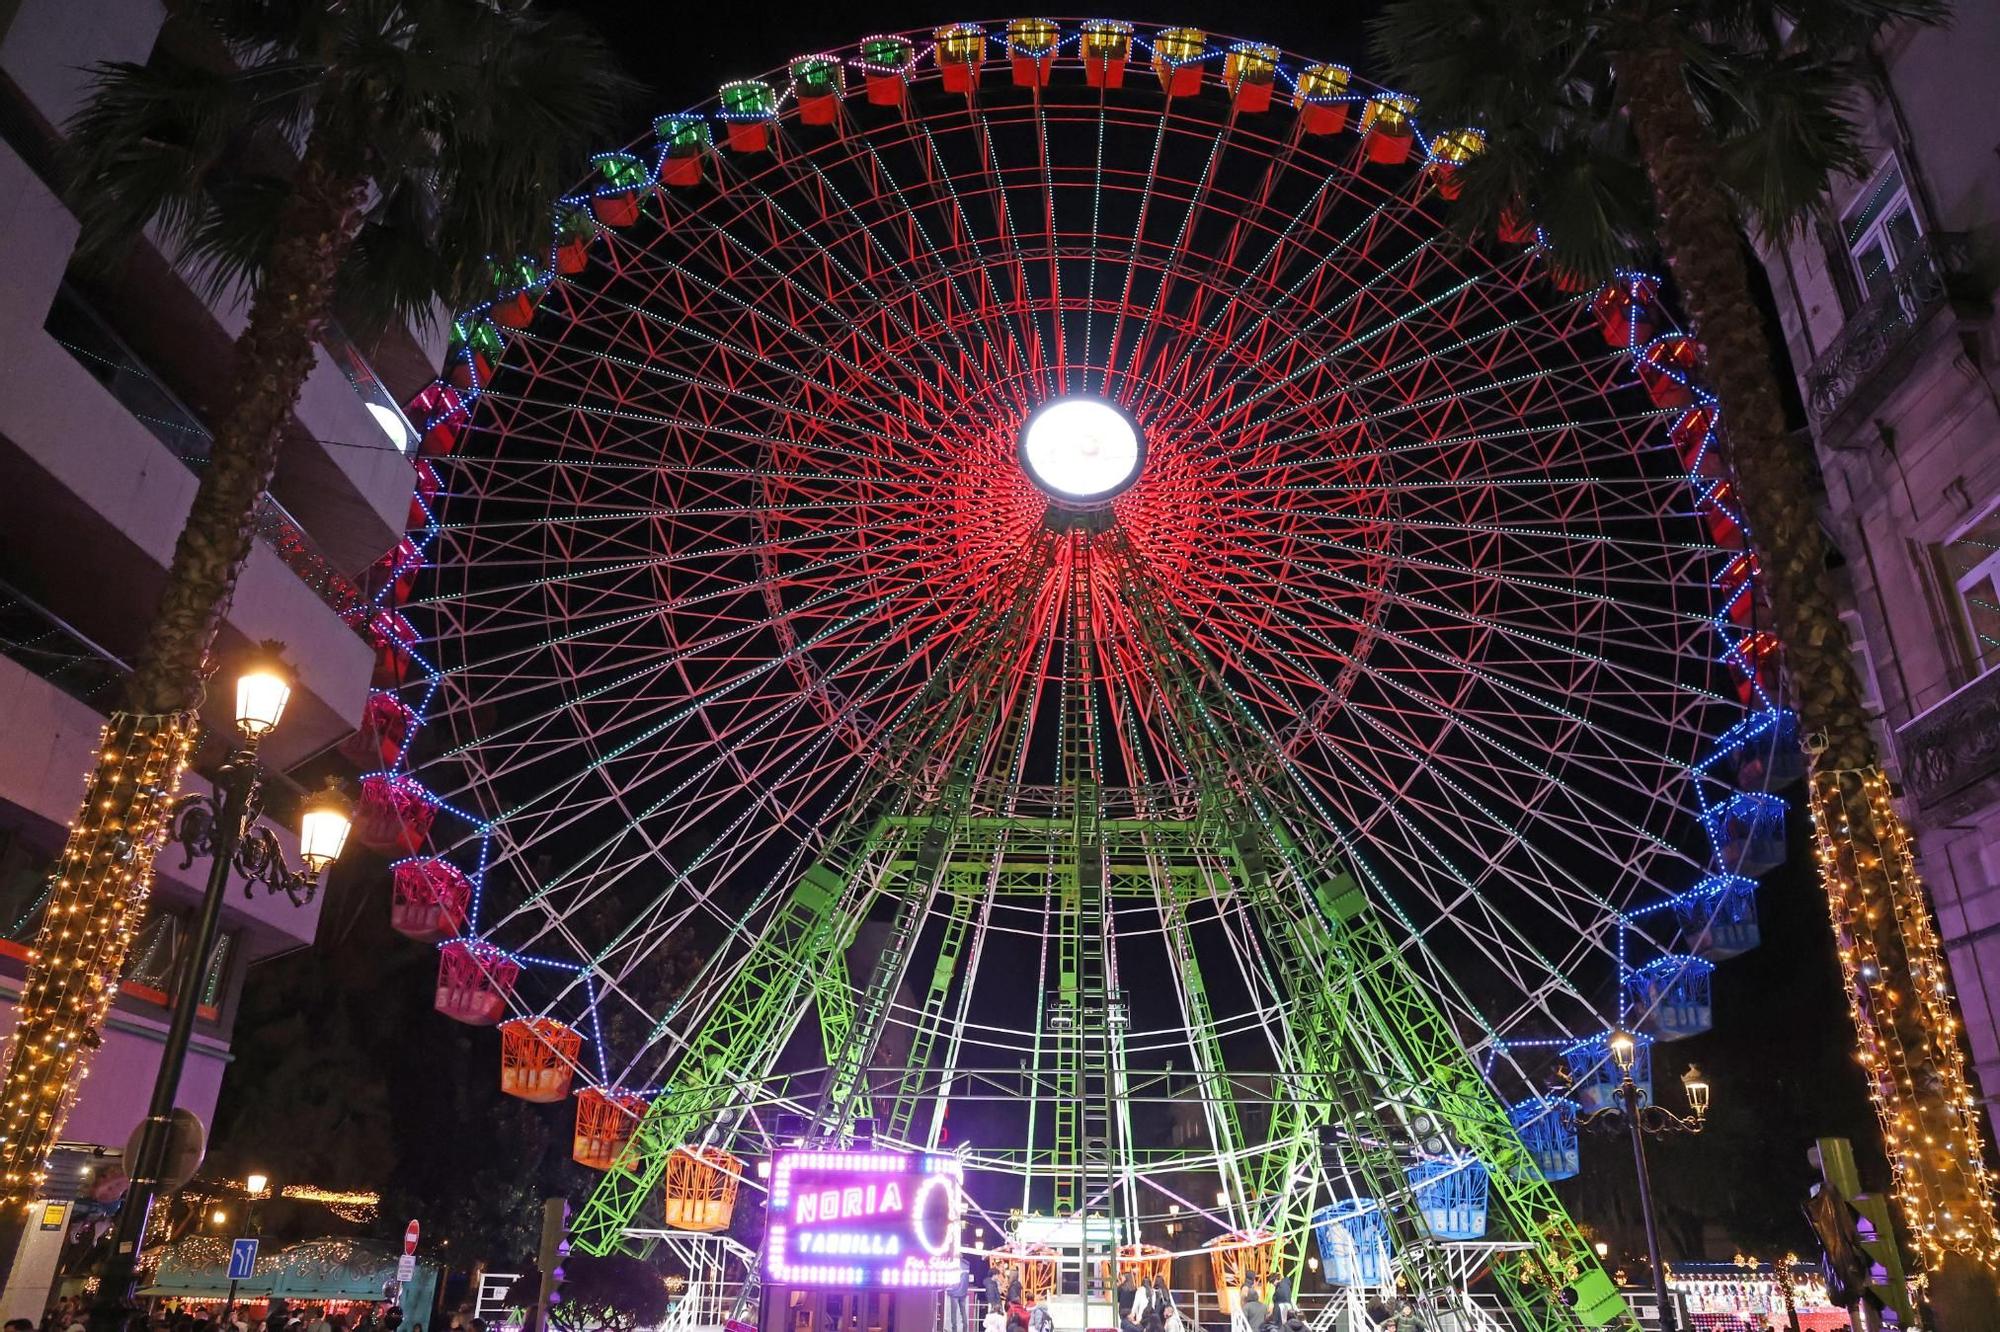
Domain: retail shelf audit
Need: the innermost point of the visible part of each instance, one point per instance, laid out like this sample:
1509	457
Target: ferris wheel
1037	555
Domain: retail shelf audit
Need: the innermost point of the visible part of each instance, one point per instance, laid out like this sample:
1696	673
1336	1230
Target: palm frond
1783	130
145	150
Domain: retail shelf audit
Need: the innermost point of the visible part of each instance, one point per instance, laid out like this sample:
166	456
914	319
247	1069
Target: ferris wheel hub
1082	451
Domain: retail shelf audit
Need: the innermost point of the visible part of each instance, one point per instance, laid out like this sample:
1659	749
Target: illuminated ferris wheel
1034	552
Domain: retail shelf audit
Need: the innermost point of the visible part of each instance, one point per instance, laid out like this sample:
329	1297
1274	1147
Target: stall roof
321	1269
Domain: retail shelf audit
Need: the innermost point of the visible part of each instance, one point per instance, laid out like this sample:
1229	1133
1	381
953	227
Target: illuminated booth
845	1230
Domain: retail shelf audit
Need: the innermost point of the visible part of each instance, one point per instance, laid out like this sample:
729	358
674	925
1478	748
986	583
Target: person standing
955	1297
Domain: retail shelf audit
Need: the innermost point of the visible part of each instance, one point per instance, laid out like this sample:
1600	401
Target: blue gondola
1768	754
1718	916
1451	1193
1547	1125
1670	998
1748	832
1353	1237
1595	1077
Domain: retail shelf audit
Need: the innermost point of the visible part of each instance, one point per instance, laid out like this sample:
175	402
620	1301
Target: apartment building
104	376
1887	312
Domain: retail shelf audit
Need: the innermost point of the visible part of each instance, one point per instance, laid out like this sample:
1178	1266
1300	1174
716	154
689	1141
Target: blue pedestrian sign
242	1259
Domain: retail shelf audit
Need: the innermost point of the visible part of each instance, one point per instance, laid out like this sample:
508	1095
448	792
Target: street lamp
224	826
1630	1114
255	1185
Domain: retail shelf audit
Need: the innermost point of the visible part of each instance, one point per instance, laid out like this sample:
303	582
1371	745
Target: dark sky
684	52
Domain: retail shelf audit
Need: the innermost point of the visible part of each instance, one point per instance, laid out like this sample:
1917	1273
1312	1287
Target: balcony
78	330
37	639
1862	365
1951	752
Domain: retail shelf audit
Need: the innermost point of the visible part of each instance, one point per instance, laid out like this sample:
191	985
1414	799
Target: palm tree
1624	125
365	155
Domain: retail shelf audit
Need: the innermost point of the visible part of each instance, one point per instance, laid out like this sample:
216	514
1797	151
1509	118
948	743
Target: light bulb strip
100	885
1905	1017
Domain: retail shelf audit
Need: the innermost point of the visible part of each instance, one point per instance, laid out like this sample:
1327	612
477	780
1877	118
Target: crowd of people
72	1314
1261	1305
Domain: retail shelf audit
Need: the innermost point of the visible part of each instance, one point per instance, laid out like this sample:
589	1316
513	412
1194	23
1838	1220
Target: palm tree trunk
1899	993
102	880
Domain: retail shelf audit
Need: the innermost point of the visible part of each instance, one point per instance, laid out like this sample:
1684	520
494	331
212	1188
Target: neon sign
864	1219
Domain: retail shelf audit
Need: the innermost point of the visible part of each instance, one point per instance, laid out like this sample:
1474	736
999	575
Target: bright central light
1080	449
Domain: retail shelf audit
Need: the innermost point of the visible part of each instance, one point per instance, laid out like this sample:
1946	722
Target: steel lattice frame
743	623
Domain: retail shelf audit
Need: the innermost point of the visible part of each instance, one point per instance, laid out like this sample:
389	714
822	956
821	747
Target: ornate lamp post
1631	1114
223	826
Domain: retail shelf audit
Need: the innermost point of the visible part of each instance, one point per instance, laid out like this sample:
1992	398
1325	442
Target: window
1864	662
1880	231
155	955
1972	563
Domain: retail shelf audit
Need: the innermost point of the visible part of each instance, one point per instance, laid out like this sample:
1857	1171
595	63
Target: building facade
105	371
1887	313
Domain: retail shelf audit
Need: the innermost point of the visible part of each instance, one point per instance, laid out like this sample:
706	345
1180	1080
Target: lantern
1547	1125
1248	71
423	496
605	1122
748	108
1107	45
475	981
817	83
1145	1262
1624	311
1451	1193
700	1188
1388	127
885	69
476	347
1450	152
1594	1073
575	230
959	48
1033	1264
1666	367
1353	1237
378	741
1031	49
683	142
517	290
394	813
538	1058
1670	997
1320	94
440	416
325	819
1719	916
1177	57
428	899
